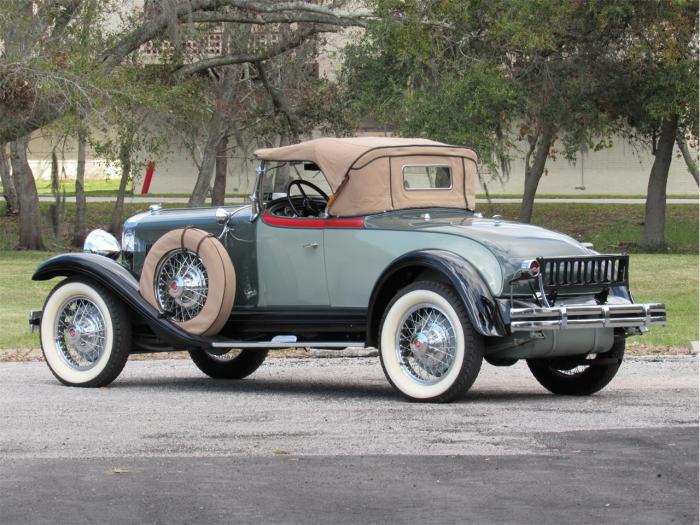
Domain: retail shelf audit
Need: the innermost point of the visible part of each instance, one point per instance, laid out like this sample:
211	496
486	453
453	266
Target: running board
287	341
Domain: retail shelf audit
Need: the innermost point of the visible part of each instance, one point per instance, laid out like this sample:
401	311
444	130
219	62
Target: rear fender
478	300
118	280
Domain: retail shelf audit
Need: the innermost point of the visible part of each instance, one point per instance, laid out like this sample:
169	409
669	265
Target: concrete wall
620	170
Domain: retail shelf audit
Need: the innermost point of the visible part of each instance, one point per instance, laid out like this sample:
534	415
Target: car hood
510	242
204	218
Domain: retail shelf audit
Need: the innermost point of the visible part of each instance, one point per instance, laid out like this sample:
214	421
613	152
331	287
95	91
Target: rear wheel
572	377
85	334
428	348
234	364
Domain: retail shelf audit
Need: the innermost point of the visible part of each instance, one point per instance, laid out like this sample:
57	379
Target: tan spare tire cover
220	273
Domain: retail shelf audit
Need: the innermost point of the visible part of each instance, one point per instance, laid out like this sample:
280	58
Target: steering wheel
310	207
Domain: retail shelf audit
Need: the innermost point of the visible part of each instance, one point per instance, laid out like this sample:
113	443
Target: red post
149	175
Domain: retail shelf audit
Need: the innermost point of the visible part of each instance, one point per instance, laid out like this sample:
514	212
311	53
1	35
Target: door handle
310	245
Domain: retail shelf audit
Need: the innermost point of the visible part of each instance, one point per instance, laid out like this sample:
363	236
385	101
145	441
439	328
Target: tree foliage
543	77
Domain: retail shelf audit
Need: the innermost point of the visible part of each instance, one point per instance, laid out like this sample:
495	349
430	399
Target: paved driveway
327	440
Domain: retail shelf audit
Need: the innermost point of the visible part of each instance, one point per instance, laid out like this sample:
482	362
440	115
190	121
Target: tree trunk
80	228
690	157
125	162
218	128
533	173
56	208
8	185
655	211
218	193
29	216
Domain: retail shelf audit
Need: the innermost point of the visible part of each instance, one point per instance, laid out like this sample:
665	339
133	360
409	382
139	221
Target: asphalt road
327	440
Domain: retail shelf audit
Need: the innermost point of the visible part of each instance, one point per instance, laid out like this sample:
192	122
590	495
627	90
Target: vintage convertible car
347	242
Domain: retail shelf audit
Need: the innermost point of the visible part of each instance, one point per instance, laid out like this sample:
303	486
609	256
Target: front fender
478	300
118	280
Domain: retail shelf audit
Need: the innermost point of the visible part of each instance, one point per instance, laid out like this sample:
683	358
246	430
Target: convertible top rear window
426	177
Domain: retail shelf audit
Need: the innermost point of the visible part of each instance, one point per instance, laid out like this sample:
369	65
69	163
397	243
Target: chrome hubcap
426	344
181	285
80	333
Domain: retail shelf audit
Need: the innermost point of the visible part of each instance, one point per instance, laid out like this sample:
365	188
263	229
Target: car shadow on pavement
317	388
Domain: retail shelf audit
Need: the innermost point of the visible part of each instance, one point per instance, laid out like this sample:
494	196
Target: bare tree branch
689	157
274	18
278	100
188	9
283	46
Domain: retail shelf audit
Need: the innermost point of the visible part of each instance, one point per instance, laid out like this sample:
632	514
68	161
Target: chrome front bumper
587	316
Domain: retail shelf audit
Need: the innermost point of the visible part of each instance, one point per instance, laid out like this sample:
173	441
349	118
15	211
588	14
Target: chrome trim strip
587	316
286	344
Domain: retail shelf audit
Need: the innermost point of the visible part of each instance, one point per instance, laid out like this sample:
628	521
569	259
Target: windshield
278	176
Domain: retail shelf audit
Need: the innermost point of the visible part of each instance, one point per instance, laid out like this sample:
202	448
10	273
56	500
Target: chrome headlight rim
103	243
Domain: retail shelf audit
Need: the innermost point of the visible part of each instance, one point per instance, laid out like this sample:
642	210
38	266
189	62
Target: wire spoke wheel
426	344
224	357
428	349
80	333
181	285
573	376
85	333
572	371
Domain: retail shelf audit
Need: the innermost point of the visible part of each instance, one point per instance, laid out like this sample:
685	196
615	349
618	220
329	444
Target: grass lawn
92	187
672	279
610	227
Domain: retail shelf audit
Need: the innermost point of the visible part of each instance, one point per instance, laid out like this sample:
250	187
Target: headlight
102	243
128	241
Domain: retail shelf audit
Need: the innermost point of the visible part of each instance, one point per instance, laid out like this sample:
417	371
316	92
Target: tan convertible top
366	172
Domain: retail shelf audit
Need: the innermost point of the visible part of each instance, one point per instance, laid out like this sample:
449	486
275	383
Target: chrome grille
589	271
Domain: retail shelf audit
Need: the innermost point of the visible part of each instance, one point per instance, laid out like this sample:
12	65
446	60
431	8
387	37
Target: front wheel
573	376
234	364
428	348
85	334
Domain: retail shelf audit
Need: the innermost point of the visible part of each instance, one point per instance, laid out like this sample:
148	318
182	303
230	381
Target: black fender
122	283
481	306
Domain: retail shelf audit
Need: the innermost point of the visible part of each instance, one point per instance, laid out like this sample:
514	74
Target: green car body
335	272
279	274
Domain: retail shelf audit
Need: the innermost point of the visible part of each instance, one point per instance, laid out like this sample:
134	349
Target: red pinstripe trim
292	222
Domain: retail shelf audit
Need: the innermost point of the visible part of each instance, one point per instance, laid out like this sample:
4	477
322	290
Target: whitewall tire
428	348
85	334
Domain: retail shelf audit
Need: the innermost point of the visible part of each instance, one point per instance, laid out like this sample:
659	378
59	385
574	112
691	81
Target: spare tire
189	276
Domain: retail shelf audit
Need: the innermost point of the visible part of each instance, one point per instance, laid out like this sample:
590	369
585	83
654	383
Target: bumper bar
587	316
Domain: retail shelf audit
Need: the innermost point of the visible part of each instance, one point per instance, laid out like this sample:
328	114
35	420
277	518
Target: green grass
105	188
93	187
20	294
610	227
672	279
99	215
